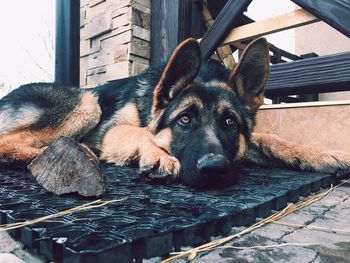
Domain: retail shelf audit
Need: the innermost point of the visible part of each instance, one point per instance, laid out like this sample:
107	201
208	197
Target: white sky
26	29
262	9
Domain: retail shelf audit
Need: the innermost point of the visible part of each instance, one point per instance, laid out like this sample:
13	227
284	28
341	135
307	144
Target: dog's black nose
213	165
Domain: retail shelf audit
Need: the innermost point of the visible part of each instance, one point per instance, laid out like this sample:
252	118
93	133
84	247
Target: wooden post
172	22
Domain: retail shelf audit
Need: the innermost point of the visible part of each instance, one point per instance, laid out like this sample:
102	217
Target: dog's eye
184	120
229	121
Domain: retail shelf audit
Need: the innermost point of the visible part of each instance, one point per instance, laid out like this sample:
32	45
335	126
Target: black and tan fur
184	119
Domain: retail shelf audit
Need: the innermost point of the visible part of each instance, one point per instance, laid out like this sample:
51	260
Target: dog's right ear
249	77
181	69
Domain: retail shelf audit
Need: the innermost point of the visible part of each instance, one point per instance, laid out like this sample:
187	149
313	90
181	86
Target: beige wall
323	40
114	40
324	126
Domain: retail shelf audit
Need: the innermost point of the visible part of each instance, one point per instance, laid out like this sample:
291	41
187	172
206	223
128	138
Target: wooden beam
335	12
224	53
293	19
224	22
312	75
305	104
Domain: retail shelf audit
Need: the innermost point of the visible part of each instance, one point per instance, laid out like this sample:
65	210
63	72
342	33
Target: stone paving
333	211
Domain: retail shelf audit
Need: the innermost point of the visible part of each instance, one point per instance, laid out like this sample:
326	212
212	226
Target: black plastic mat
153	221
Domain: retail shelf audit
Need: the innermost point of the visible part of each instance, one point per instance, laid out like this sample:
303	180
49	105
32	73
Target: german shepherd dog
183	119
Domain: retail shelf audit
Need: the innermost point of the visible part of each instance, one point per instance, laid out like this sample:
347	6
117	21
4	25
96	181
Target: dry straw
48	218
192	253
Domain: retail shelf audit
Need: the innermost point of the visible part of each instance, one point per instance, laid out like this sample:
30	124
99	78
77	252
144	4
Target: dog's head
204	114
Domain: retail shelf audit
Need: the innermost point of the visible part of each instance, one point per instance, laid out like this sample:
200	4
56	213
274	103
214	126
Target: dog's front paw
328	162
158	167
336	162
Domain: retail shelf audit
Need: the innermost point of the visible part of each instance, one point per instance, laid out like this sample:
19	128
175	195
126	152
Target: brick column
114	40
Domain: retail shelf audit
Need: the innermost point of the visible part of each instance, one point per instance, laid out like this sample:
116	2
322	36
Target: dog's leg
271	150
124	144
21	146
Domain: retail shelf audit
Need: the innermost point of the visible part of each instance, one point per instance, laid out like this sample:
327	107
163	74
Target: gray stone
140	47
114	41
141	17
97	10
118	4
118	70
7	244
136	58
273	231
121	53
141	33
95	2
100	59
146	3
84	3
98	26
137	68
95	80
29	256
83	71
82	17
84	48
122	20
120	11
10	258
98	70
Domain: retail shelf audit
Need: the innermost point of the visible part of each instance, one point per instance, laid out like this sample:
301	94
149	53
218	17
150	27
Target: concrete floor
333	211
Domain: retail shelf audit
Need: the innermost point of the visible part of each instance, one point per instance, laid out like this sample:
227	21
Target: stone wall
114	40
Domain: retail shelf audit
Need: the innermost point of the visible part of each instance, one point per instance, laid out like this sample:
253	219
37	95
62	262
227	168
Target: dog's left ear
181	69
250	75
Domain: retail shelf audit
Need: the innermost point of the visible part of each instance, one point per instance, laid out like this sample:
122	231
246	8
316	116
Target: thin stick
91	205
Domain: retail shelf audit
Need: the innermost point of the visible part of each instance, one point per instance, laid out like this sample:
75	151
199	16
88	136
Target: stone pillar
114	40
